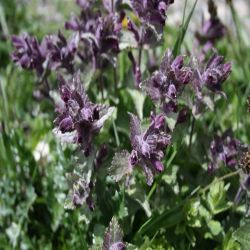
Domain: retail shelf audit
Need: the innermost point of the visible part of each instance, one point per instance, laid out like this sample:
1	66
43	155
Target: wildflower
224	149
216	73
99	34
148	145
207	81
167	83
53	52
78	118
29	54
152	11
61	52
103	43
147	149
212	29
87	21
84	4
113	237
106	35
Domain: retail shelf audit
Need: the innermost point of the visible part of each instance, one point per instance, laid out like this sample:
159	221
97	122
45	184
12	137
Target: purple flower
29	54
56	51
212	29
166	84
87	21
224	149
99	34
104	42
84	4
106	35
113	237
207	81
216	73
152	11
148	145
80	192
79	120
61	52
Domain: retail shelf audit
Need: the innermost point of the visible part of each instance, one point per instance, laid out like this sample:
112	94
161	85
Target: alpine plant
148	149
180	86
78	120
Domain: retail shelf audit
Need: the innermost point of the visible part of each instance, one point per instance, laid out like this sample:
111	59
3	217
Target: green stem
191	132
222	178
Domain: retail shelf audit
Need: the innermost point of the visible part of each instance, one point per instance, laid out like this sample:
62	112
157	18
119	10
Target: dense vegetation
120	131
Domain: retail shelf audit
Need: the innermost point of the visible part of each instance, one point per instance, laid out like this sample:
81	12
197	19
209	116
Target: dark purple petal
178	63
66	125
157	165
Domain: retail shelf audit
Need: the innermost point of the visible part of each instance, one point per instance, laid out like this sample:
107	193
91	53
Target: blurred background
33	164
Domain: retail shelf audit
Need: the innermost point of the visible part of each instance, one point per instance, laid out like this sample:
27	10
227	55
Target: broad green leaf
242	235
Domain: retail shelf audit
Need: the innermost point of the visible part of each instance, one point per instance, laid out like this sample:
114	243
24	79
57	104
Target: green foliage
186	208
242	236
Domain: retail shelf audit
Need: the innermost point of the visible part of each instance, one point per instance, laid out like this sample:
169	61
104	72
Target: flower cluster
235	155
224	149
152	11
99	34
29	54
78	118
148	147
95	38
53	52
211	76
167	83
212	29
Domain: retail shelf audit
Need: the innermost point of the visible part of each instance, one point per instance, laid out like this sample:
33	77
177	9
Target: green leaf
215	227
242	235
167	219
183	30
217	197
120	166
